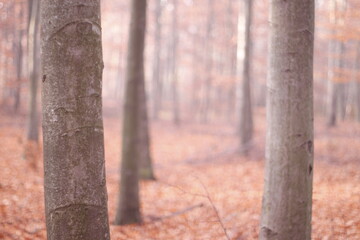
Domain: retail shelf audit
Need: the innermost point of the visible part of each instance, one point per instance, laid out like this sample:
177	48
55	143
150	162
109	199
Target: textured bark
287	199
72	64
129	203
34	70
157	77
245	118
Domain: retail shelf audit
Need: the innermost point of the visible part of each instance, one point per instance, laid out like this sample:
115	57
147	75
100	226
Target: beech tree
245	118
128	210
208	63
157	82
146	170
34	69
287	199
336	104
18	60
174	65
72	65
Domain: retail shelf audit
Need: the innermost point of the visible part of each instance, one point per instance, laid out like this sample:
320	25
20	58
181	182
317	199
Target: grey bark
128	210
72	65
287	199
245	118
34	70
157	76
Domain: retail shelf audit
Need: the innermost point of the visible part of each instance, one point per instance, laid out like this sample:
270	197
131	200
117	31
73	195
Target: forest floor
203	186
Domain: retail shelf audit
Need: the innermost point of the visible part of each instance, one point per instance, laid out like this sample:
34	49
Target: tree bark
72	65
245	118
34	71
129	203
287	199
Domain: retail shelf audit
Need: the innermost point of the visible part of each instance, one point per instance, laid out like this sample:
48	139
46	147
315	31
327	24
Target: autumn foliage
204	187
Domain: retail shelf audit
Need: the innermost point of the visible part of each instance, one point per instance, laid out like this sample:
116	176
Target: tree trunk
72	65
245	118
357	83
232	64
174	63
19	64
208	62
34	70
287	200
145	162
157	77
129	203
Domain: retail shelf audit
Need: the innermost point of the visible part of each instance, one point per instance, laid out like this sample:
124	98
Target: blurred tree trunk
287	200
174	66
245	118
157	76
18	47
232	57
357	82
208	61
128	210
194	108
72	65
145	162
342	85
332	87
336	104
119	86
34	70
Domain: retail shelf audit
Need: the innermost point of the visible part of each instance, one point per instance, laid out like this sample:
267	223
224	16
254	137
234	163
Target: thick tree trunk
245	118
34	70
287	200
157	76
129	203
72	64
